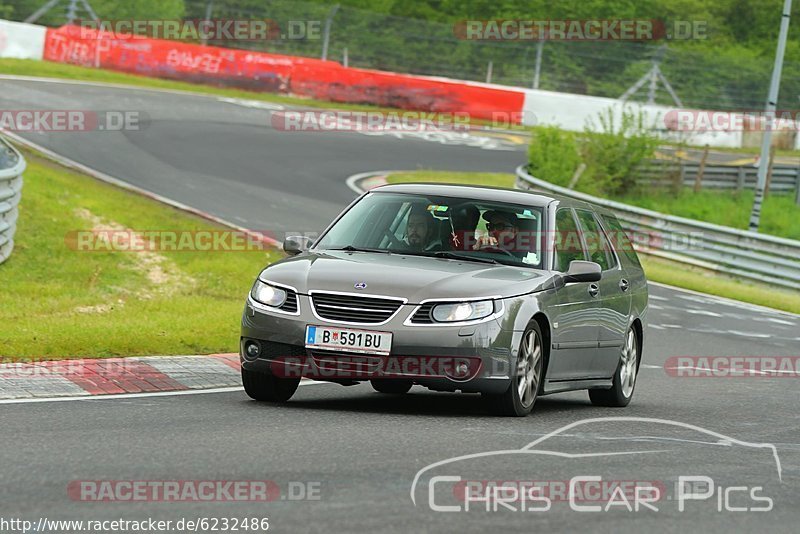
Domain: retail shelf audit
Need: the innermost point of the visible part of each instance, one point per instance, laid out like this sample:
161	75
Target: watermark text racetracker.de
175	491
194	30
733	366
71	120
580	30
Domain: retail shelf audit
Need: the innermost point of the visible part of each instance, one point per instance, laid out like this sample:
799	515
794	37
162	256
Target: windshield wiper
351	248
467	257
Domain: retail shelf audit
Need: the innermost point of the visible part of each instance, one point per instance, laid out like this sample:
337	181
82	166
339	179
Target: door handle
594	289
624	285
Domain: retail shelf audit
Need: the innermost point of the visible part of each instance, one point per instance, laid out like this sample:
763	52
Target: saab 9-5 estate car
505	293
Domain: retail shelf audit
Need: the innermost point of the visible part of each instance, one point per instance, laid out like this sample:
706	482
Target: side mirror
583	271
296	244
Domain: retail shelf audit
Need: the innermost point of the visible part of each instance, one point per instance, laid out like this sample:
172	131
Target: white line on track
701	312
138	395
715	299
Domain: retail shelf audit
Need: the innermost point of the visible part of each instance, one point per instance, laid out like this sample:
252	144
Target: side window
568	242
595	239
620	239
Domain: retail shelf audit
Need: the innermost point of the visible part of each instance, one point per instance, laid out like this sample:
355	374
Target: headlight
267	294
462	311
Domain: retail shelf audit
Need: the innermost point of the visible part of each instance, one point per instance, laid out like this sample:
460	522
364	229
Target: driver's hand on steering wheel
485	241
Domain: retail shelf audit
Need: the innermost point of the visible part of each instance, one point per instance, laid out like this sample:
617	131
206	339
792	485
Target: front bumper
425	354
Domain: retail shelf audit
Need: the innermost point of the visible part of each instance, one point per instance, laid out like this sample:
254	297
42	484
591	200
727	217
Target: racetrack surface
365	449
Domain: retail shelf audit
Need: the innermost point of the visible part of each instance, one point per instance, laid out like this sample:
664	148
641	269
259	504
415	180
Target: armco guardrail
763	258
785	178
12	165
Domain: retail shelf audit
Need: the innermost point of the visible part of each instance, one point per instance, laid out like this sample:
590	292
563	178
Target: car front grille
354	308
423	314
290	306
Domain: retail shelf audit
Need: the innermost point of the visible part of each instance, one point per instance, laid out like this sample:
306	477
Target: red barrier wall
324	80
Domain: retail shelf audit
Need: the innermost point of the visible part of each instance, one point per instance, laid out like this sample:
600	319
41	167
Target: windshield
440	226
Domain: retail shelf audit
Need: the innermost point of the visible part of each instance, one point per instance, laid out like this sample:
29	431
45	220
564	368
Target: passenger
503	229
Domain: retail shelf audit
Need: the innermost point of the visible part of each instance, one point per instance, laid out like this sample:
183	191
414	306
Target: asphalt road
358	451
229	160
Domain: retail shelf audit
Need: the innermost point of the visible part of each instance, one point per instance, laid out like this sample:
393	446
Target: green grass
704	281
657	269
780	215
58	302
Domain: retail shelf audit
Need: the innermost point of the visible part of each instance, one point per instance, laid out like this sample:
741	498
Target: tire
391	386
269	388
621	392
526	379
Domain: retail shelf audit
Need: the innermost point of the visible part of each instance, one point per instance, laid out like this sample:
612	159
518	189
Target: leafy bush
614	148
553	154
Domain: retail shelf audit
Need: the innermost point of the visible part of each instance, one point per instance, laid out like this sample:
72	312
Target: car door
574	316
613	302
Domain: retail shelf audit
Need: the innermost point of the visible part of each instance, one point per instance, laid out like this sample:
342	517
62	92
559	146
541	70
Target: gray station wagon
509	294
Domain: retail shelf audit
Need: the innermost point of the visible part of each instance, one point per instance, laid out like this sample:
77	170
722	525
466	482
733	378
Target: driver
503	227
420	229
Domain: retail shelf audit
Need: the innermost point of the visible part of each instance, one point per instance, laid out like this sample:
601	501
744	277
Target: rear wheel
394	387
624	381
519	398
266	387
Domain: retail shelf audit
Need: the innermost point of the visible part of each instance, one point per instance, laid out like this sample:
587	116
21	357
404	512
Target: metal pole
538	68
41	11
89	9
345	58
72	11
327	35
207	20
489	72
772	101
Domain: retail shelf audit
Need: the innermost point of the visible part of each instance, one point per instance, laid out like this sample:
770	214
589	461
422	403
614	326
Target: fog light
252	349
462	370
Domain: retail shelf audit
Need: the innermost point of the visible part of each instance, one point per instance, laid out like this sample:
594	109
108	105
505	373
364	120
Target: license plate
349	339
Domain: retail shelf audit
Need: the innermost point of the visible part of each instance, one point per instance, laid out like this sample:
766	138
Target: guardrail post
797	186
698	180
740	179
797	191
769	170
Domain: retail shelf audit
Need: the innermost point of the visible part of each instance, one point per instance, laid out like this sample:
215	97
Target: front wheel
394	387
624	382
519	398
266	387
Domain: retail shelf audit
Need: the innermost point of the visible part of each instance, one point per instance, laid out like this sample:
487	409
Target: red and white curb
365	181
114	376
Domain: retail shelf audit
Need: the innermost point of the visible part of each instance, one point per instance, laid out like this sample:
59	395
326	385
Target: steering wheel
497	249
393	241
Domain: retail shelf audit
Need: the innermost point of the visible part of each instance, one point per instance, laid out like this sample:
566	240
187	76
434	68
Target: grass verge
59	302
657	269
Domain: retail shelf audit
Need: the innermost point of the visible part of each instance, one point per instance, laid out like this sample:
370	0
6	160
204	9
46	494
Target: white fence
21	41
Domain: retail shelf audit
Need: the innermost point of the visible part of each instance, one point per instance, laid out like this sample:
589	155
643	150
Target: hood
415	278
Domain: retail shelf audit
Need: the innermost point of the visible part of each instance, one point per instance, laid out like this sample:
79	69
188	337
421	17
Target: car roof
478	192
